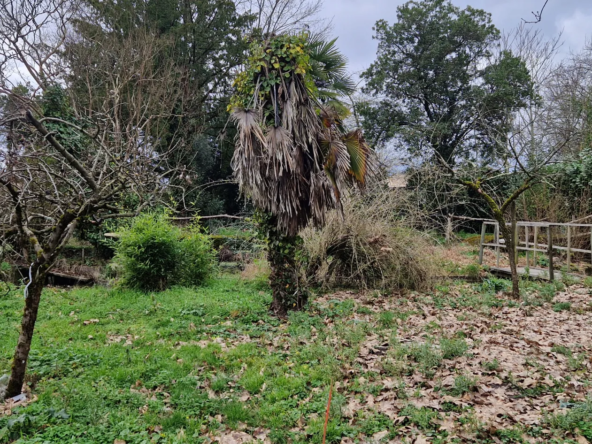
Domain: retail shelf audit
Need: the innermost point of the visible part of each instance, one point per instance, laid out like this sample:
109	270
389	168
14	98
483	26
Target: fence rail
534	246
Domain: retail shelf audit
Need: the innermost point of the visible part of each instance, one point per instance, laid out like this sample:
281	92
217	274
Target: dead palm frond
292	154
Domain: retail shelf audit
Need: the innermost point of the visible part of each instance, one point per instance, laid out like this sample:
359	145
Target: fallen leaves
8	405
259	435
517	357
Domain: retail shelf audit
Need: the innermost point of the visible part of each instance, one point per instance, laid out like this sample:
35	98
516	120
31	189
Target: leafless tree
518	165
82	127
279	16
569	92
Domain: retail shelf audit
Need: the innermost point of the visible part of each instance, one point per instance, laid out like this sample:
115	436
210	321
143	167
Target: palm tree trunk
282	250
21	354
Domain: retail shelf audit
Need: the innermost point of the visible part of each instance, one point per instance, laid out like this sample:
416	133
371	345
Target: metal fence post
550	252
568	248
536	244
483	229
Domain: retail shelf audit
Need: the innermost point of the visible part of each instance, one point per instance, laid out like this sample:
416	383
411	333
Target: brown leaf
236	438
379	435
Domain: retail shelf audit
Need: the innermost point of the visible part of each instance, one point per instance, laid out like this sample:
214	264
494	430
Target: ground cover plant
462	363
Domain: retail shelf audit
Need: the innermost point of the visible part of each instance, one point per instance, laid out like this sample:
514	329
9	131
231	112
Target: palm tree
293	154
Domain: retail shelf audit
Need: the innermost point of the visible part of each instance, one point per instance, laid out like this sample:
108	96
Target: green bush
197	256
154	254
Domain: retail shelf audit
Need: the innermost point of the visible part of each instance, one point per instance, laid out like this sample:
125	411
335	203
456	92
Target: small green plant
562	306
588	282
464	384
453	348
421	417
426	356
547	292
561	349
568	279
5	270
374	423
236	412
364	310
386	319
220	383
471	271
496	284
252	380
491	366
577	417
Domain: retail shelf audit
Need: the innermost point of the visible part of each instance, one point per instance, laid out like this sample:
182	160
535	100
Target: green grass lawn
194	365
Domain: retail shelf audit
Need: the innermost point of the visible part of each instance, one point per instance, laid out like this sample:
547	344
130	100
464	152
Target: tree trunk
21	354
509	238
282	255
284	277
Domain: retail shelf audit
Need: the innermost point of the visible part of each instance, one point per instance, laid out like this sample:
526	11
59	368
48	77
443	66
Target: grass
187	365
453	348
562	306
491	366
578	417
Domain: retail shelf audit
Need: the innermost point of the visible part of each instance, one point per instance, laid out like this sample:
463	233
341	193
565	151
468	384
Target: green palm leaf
359	154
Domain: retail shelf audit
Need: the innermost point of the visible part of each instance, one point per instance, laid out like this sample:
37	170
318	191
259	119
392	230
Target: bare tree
569	93
82	127
280	16
500	181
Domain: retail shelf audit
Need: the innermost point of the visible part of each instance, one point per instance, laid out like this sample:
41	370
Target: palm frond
329	66
292	155
361	161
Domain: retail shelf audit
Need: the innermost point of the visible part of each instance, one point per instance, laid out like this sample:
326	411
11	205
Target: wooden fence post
514	233
550	252
527	234
449	229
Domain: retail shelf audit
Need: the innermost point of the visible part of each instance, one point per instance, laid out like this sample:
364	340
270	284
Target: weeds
453	348
464	384
562	306
491	366
577	417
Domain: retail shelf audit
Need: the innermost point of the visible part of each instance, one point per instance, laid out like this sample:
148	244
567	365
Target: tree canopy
441	79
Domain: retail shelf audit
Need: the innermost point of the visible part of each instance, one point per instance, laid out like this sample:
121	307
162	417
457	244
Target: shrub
367	246
153	254
197	256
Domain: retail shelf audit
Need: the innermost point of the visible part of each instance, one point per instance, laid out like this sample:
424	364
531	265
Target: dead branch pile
369	246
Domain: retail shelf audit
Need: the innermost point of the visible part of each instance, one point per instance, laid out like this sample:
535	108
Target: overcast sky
353	21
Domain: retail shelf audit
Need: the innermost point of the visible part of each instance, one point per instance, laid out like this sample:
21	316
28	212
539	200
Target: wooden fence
566	231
